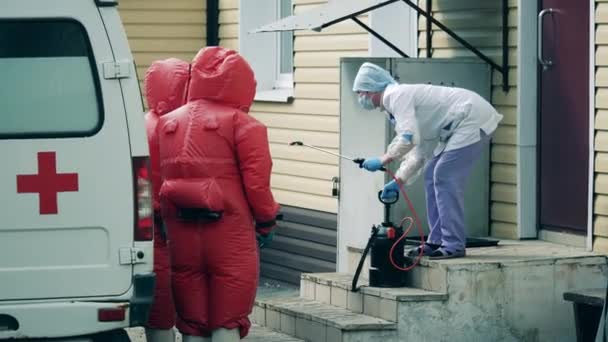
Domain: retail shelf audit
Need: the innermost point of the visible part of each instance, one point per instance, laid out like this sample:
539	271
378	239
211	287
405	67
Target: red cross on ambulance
47	183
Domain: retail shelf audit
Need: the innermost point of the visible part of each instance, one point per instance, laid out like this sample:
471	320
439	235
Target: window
48	86
270	54
285	50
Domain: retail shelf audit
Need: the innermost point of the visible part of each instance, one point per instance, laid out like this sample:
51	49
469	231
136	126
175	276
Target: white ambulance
75	211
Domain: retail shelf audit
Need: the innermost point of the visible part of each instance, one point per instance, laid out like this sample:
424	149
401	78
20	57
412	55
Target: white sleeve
401	144
410	167
402	107
404	110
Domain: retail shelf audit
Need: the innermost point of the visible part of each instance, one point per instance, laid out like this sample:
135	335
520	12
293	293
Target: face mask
366	102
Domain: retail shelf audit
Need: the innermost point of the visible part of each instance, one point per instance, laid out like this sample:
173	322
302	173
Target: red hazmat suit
215	158
165	84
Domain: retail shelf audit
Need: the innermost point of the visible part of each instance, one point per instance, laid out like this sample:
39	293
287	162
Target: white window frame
262	50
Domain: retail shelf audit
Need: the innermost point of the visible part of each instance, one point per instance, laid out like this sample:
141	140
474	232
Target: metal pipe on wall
213	25
429	29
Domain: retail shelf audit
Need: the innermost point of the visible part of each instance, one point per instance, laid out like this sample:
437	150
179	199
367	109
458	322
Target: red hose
411	225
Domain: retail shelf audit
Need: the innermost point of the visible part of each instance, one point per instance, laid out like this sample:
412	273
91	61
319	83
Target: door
67	190
564	115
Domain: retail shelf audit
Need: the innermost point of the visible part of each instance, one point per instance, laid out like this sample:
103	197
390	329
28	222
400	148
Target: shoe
427	249
443	253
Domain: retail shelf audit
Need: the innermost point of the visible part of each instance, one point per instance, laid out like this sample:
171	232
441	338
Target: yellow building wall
600	207
480	23
159	29
302	177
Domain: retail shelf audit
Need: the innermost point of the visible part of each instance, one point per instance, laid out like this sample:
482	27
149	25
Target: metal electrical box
366	134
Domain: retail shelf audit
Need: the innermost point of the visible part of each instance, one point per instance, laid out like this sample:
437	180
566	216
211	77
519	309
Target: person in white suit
441	130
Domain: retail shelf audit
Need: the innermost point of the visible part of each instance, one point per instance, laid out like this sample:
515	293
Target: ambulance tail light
111	314
144	214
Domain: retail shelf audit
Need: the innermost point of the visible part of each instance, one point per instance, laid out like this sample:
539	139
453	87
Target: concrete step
264	334
434	275
501	293
430	275
335	289
318	322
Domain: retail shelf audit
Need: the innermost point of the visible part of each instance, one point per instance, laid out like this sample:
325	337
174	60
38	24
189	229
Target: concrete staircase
335	289
512	292
314	321
261	334
327	311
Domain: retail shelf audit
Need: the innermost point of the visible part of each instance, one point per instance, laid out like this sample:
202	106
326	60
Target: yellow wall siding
317	92
302	177
600	207
160	29
229	24
480	23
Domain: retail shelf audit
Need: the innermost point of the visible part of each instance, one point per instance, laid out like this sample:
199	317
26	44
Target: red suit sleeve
255	163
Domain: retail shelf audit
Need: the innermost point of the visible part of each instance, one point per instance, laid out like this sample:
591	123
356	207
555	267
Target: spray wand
358	161
412	221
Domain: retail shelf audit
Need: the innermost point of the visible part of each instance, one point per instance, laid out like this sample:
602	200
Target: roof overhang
336	11
323	16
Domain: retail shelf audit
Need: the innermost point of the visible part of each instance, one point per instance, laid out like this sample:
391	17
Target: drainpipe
592	84
213	25
527	120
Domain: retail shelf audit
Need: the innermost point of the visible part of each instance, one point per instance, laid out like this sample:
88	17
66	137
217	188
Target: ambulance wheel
118	335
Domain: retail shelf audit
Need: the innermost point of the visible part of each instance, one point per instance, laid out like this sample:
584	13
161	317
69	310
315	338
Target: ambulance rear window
48	83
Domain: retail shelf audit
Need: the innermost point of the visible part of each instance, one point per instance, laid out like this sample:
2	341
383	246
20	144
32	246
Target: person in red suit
165	85
215	197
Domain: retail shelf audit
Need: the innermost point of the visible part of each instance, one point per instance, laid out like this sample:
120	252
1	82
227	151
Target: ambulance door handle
541	59
117	70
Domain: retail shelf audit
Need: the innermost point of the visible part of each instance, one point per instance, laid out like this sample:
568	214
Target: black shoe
427	250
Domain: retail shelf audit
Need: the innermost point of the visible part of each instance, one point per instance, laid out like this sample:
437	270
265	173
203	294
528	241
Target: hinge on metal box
130	256
116	70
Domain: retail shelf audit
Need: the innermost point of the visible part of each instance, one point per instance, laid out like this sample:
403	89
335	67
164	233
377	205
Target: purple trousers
445	178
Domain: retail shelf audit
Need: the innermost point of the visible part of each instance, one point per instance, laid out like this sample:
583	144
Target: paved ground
138	335
257	334
273	288
267	288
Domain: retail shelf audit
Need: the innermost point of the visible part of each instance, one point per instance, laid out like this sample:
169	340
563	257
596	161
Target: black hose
354	287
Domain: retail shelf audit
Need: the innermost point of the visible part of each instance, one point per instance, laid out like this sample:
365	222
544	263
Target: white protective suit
431	119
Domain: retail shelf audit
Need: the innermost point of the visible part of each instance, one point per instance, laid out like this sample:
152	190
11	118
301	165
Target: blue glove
390	191
264	239
372	164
